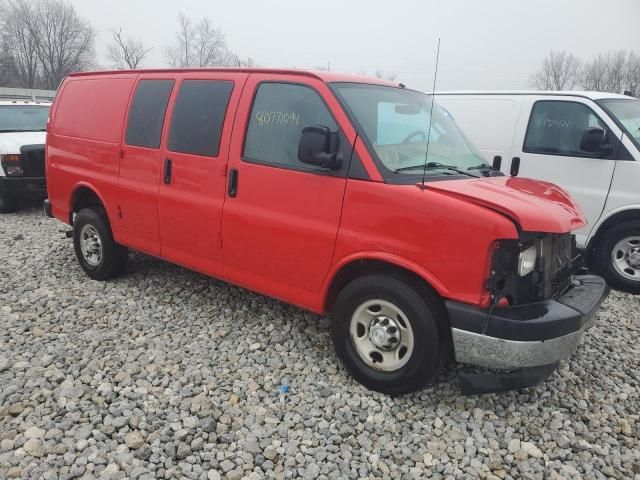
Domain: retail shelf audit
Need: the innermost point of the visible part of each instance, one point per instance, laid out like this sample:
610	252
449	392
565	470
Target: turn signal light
12	164
503	302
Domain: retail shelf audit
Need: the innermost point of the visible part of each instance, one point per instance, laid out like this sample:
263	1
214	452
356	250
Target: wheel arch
376	263
616	218
84	195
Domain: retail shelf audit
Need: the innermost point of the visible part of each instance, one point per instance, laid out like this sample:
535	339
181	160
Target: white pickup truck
22	137
587	143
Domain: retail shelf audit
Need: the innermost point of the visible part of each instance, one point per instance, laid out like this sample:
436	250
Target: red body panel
287	233
535	205
445	241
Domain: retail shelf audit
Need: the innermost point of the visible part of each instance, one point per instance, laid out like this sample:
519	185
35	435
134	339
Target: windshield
396	121
23	118
627	113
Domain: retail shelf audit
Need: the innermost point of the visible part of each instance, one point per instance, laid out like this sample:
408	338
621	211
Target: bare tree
126	52
64	41
233	60
7	66
609	72
559	71
19	34
391	76
594	74
617	71
632	76
197	45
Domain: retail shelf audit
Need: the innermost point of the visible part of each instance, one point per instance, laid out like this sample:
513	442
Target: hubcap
91	245
382	335
626	258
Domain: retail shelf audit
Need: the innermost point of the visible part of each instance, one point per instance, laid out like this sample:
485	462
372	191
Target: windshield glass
627	112
396	121
23	118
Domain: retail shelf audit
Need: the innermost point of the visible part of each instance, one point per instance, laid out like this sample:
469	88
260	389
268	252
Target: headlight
12	164
527	261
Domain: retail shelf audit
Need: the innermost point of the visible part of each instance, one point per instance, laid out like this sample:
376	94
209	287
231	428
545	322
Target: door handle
167	171
515	166
233	182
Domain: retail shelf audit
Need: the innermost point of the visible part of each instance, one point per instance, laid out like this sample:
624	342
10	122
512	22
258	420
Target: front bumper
526	336
24	186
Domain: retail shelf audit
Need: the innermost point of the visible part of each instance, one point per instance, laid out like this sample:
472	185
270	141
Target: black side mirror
497	162
593	141
315	148
515	166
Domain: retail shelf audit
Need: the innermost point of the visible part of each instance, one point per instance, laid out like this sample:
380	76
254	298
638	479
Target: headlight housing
527	261
12	165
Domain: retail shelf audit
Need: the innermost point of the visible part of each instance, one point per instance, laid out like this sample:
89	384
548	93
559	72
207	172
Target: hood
534	205
10	142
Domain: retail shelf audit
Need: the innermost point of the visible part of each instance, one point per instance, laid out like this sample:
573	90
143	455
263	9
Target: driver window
556	128
280	112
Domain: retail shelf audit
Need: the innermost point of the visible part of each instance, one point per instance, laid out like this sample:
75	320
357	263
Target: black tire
113	258
8	203
603	256
427	317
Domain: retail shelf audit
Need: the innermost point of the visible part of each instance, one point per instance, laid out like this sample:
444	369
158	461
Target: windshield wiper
13	130
434	166
484	166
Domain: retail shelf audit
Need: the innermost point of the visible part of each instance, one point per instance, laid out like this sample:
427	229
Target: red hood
536	206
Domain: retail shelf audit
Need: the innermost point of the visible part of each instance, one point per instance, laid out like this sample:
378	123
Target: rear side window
146	115
280	112
92	108
198	117
556	128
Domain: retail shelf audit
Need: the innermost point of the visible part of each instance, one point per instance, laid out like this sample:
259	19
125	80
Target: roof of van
572	93
325	76
24	102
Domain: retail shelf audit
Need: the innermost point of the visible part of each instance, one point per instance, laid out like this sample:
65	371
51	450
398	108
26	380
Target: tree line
615	71
42	41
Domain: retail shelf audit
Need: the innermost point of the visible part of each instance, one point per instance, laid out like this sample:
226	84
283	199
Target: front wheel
618	257
98	254
390	335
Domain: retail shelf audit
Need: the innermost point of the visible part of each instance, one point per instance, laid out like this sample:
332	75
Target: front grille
560	260
33	160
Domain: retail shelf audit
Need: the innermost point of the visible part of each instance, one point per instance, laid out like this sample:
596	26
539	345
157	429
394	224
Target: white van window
23	118
556	128
627	114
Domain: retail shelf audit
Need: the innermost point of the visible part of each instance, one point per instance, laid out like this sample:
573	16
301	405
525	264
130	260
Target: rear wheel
618	257
8	202
390	335
98	254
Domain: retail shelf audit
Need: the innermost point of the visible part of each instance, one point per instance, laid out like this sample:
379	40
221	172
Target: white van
586	142
22	137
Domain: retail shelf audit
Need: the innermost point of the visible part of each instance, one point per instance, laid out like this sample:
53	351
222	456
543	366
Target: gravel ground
165	373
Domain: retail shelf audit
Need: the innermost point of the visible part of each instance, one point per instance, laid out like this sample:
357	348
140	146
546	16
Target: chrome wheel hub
382	335
91	245
626	258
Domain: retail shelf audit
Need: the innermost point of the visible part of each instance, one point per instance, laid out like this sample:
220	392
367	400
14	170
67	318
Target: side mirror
593	141
497	162
315	148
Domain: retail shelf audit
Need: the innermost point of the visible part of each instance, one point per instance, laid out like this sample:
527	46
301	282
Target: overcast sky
486	44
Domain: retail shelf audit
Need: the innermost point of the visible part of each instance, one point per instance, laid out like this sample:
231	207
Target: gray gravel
165	373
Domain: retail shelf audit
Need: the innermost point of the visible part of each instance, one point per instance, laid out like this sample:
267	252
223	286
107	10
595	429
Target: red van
335	193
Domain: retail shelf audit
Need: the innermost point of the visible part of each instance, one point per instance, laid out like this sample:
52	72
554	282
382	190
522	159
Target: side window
280	112
198	117
146	115
556	128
